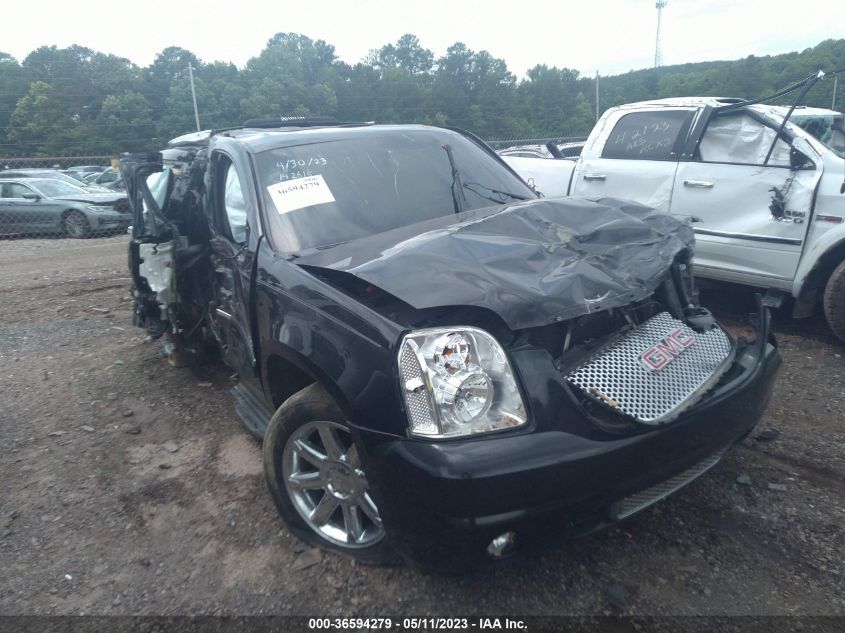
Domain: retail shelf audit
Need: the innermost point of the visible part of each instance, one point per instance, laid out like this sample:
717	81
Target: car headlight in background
99	209
457	381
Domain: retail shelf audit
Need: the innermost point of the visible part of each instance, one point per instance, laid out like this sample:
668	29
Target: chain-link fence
73	197
564	146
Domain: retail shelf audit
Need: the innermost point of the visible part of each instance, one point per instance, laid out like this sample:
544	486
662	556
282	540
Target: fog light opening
502	546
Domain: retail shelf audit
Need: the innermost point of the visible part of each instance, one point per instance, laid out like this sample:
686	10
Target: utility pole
597	95
194	95
658	51
833	101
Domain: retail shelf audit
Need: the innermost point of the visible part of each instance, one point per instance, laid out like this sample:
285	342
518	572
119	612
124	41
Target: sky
605	36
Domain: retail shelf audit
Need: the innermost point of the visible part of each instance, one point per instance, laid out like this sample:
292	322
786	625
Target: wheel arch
286	371
814	282
69	210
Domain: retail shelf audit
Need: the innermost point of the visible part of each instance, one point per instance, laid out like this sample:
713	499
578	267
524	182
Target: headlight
457	381
99	209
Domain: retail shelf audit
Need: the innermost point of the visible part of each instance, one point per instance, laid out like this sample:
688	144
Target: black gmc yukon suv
438	360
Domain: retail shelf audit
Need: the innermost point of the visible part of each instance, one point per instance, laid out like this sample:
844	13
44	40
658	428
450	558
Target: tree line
77	100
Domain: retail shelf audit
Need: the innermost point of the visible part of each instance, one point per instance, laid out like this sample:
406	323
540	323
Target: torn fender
532	263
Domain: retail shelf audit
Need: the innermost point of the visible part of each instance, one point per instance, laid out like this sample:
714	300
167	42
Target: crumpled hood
533	263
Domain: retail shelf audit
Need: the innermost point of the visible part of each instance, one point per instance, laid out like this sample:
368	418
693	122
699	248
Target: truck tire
834	301
317	482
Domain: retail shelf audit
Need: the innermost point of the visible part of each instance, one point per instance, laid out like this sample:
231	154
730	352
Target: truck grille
624	376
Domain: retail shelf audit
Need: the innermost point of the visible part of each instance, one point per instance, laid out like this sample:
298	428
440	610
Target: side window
655	135
234	204
14	190
158	183
739	138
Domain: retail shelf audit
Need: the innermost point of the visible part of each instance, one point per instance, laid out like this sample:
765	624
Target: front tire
314	474
834	301
76	225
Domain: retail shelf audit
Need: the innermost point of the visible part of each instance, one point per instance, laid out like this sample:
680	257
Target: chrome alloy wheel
324	480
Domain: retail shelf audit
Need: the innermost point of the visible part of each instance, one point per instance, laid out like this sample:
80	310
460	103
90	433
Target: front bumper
441	501
109	220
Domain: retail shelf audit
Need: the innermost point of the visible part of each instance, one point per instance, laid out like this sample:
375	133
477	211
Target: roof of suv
259	139
717	102
674	102
805	111
286	124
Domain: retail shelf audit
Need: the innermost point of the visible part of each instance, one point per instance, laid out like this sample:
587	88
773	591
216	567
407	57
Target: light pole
194	95
597	95
658	50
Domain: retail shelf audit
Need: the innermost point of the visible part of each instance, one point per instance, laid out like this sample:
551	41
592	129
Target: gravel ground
128	487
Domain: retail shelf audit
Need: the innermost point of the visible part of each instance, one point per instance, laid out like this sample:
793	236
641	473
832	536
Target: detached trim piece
751	237
643	499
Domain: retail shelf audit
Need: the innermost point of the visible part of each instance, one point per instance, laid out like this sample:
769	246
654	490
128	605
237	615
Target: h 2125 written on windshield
298	193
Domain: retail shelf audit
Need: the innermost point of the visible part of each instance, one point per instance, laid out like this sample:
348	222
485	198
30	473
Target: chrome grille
617	377
641	500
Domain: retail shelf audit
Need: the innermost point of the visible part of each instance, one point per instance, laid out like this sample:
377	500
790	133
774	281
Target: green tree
78	99
475	90
177	116
303	72
406	55
41	124
169	65
548	98
81	76
226	90
125	124
13	84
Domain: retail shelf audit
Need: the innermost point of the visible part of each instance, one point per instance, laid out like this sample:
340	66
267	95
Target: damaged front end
605	288
644	364
168	250
629	389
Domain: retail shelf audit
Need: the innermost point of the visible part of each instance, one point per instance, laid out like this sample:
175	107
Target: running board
252	410
774	299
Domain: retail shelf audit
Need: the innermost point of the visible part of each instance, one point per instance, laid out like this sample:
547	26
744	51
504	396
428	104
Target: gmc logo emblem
658	356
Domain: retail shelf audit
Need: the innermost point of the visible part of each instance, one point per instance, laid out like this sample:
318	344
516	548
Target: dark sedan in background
48	206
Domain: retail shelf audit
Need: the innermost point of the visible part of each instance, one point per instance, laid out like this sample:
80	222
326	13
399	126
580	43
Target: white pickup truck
768	212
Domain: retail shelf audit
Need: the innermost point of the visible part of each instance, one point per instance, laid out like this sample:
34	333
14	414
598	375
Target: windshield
827	128
355	184
53	188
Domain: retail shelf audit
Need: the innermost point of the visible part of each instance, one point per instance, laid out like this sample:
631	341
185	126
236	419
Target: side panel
633	155
648	182
344	346
735	229
827	227
232	211
550	176
230	316
30	215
